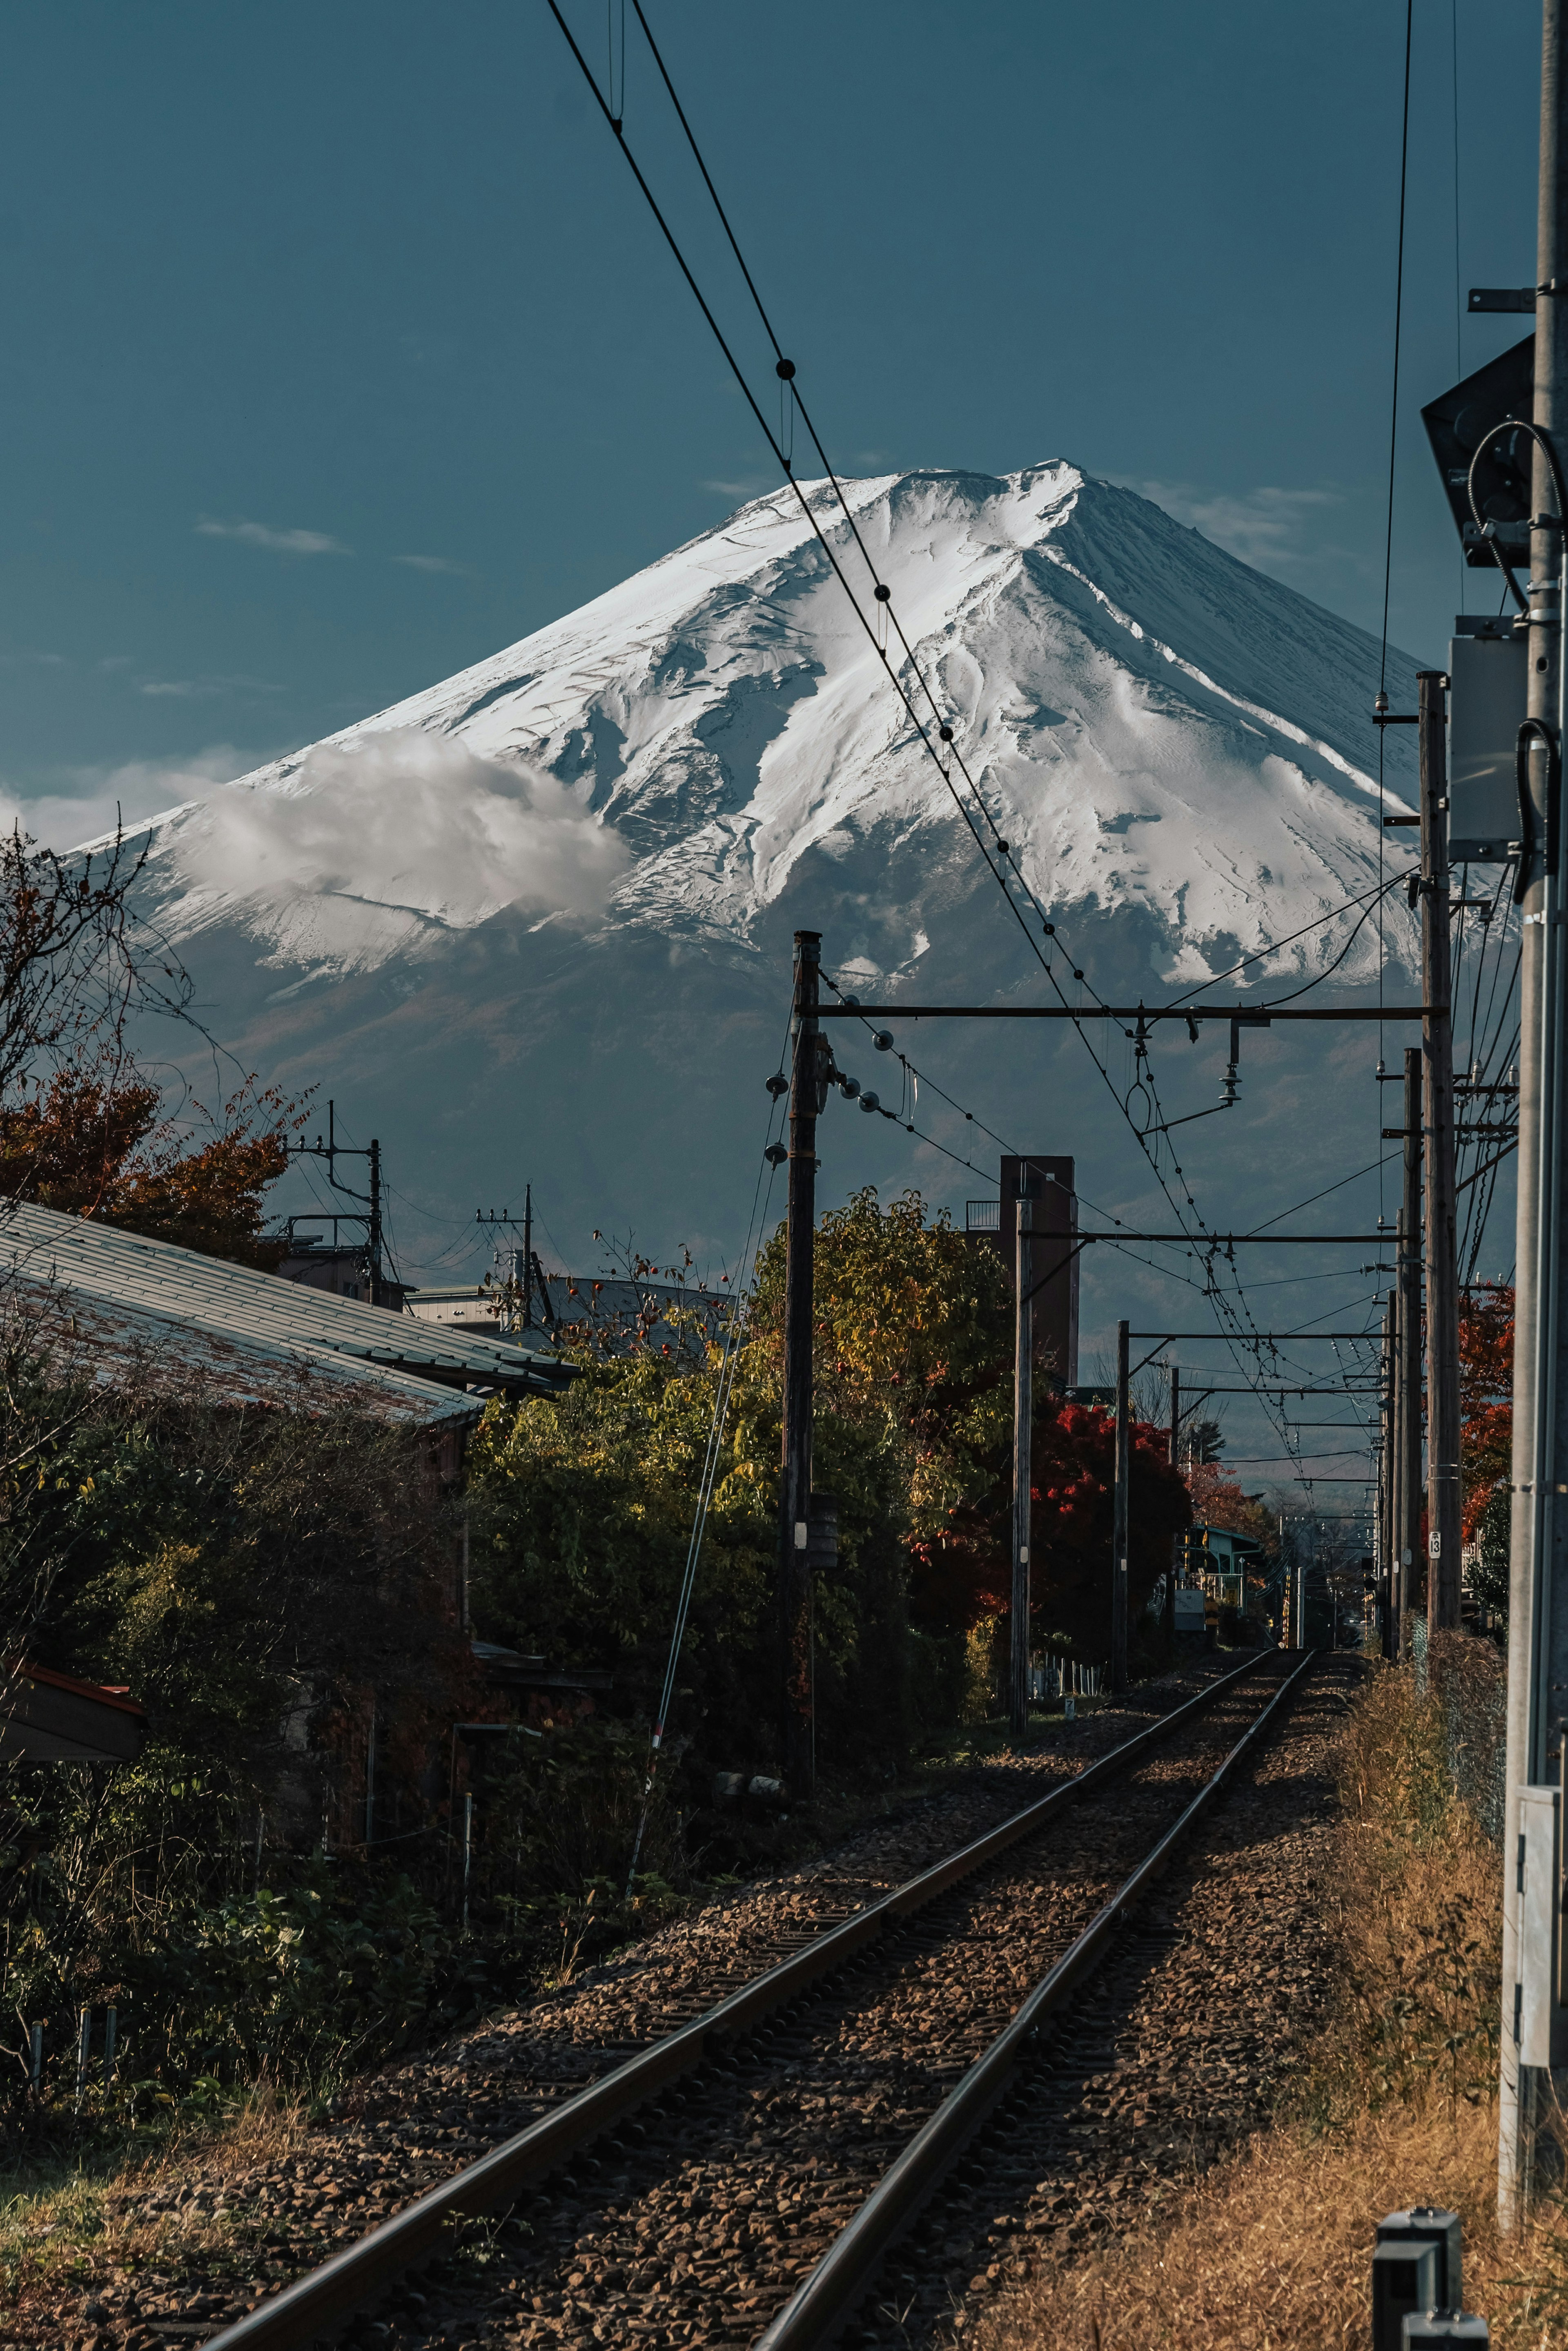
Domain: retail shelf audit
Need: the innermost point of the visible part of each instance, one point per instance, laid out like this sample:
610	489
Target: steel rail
822	2305
316	2303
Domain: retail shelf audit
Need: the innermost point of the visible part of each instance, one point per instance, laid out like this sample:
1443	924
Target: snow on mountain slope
501	915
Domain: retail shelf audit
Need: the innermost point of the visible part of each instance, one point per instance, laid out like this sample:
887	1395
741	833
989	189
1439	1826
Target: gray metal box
1404	2277
1489	684
1433	2326
1435	2225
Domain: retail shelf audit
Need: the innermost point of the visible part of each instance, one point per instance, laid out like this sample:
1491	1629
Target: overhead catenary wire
942	750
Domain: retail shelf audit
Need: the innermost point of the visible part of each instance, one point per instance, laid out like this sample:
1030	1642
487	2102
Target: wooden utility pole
1534	2042
1443	1499
1119	1532
1411	1587
808	1088
1023	1410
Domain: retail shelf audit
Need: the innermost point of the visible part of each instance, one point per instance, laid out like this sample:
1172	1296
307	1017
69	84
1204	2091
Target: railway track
743	2179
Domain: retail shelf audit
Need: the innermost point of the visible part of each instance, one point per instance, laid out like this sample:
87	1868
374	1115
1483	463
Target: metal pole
1442	1269
1023	1410
1538	1606
1119	1533
1412	1589
527	1257
467	1851
1176	1417
807	1093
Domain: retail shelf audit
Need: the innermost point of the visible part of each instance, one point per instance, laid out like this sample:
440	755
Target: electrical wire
762	1194
945	755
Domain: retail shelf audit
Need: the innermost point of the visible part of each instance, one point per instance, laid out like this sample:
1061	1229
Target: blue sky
340	349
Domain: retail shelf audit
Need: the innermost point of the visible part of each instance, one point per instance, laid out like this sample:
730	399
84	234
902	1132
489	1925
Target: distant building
616	1312
339	1268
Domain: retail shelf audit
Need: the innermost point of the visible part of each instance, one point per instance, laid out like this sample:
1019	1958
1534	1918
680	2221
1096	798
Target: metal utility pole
1443	1499
1409	1367
1119	1532
1534	2019
527	1256
805	1100
1176	1417
1023	1410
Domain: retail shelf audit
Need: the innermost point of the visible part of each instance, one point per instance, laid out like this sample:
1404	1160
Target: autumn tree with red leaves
1073	1519
97	1143
1486	1398
82	1130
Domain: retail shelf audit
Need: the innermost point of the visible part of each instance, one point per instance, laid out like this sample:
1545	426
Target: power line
943	753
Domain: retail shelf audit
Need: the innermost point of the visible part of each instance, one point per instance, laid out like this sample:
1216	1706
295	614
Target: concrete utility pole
1388	1573
808	1088
1119	1533
1397	1479
375	1252
1533	2041
1023	1410
1443	1499
1411	1586
1176	1417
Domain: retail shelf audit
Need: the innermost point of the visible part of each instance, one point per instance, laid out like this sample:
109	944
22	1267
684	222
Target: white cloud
84	809
752	487
1261	527
195	689
405	819
432	563
280	542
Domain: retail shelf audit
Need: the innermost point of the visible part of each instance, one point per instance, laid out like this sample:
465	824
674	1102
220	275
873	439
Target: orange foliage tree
1486	1397
96	1142
1219	1501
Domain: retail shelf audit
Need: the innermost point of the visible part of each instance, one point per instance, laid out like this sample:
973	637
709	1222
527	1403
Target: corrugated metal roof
114	1295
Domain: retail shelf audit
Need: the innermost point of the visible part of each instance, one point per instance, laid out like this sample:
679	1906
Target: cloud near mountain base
406	819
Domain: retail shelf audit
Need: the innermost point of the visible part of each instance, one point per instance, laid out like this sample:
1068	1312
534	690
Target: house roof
50	1718
106	1299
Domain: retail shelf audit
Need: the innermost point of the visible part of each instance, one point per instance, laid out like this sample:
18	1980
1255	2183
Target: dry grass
1269	2250
63	2218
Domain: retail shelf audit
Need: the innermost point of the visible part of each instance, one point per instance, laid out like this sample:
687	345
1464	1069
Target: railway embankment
1289	2027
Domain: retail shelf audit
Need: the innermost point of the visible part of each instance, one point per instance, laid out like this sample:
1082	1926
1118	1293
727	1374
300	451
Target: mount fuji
535	922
